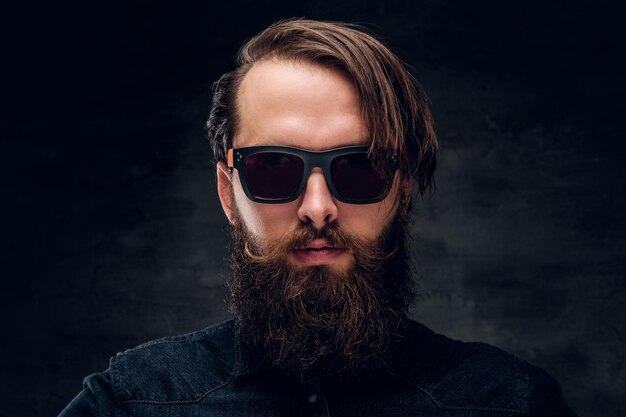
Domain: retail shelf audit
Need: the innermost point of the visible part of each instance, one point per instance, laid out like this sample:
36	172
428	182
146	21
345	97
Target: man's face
307	106
323	286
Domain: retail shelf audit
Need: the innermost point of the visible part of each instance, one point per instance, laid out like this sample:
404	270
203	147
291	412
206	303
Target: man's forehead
298	104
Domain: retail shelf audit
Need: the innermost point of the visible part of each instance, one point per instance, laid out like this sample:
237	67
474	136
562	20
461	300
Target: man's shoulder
174	369
473	375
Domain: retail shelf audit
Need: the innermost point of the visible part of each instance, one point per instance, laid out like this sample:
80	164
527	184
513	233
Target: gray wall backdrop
114	235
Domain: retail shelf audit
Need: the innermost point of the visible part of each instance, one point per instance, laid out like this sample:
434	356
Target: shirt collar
248	359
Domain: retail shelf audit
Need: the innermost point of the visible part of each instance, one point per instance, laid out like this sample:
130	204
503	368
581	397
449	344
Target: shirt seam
194	401
463	408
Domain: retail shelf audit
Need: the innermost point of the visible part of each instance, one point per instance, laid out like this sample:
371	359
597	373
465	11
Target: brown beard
315	322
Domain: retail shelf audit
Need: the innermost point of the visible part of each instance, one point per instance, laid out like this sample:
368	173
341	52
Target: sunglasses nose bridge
321	161
310	171
317	205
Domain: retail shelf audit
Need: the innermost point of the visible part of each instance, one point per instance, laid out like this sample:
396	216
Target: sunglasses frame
236	159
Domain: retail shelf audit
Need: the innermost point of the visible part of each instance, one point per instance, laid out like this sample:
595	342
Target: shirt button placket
316	402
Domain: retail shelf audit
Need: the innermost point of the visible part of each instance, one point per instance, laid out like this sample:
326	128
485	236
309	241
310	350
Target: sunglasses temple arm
230	160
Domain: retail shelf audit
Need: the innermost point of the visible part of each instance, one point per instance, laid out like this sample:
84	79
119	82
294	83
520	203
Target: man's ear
225	189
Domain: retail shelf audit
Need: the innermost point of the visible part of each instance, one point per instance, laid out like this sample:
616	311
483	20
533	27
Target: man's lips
318	252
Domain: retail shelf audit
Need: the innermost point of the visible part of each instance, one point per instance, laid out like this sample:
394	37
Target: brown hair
395	108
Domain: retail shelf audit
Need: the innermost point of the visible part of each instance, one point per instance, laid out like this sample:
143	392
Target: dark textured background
113	234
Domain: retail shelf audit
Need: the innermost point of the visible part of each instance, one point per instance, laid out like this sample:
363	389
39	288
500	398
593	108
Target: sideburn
314	323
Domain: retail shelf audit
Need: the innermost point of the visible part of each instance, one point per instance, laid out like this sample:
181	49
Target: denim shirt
213	372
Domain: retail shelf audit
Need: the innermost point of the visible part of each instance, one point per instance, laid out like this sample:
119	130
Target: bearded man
321	137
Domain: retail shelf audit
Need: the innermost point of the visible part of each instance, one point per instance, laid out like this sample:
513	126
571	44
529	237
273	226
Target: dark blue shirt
213	372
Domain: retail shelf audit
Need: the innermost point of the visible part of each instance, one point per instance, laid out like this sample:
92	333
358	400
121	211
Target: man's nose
318	206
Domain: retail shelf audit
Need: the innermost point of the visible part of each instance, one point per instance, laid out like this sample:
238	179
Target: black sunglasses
278	174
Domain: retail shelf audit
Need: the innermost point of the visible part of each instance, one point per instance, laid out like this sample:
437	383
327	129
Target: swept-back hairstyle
394	107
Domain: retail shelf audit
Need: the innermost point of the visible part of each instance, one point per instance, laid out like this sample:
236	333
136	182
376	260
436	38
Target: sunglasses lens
356	179
273	175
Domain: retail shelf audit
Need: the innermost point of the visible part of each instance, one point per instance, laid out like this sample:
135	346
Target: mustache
368	253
